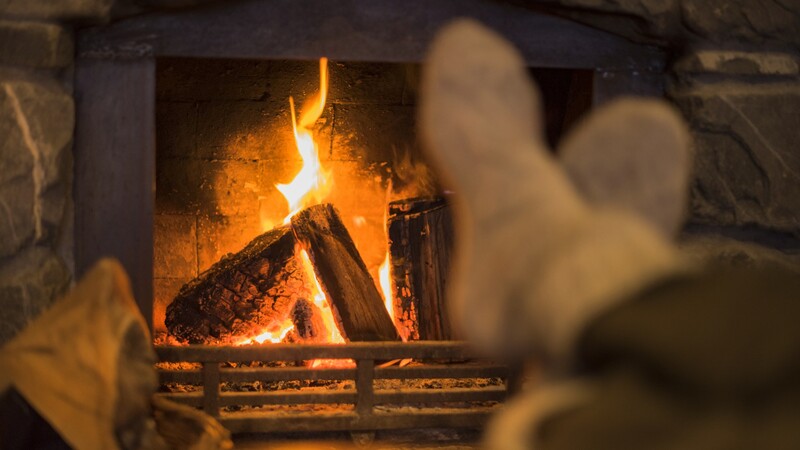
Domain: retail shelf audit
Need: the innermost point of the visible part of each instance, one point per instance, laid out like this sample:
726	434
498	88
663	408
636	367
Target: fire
359	221
312	184
387	290
321	301
386	286
384	274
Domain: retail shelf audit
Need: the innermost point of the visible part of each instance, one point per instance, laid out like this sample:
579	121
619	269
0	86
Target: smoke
413	177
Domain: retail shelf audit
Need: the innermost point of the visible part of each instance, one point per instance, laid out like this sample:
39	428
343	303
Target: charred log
242	294
421	240
356	303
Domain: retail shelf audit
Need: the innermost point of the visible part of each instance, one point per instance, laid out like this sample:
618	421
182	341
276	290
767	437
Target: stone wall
734	75
744	110
37	119
36	124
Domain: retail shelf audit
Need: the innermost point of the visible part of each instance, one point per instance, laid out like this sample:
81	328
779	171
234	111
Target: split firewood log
355	301
261	285
420	243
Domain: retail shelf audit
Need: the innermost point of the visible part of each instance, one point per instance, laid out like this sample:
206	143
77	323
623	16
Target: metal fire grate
366	414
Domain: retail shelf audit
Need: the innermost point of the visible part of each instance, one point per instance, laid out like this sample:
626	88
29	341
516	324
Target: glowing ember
386	286
312	184
275	335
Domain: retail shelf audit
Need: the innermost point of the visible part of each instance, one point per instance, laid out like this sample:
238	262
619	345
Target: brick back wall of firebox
224	139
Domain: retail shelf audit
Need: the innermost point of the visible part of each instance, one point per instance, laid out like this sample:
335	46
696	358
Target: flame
359	221
384	274
386	286
334	336
312	184
277	333
321	301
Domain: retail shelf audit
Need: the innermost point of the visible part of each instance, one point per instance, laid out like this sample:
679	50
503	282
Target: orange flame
334	336
387	290
321	301
384	274
386	286
312	184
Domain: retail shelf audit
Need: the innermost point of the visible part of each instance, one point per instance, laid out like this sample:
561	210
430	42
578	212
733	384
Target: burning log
241	294
356	303
421	239
264	284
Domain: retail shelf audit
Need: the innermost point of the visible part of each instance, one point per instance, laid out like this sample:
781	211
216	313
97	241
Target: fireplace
176	117
208	123
190	167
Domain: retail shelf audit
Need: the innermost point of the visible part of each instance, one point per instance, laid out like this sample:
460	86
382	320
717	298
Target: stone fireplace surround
77	164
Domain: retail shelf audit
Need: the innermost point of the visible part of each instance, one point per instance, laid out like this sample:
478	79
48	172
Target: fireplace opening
226	153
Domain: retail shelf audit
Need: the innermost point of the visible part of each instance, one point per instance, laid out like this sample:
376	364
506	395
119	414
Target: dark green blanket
708	362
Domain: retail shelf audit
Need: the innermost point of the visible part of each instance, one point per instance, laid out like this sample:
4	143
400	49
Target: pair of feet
545	243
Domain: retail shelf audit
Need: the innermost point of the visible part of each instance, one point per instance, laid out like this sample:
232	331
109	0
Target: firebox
229	167
227	158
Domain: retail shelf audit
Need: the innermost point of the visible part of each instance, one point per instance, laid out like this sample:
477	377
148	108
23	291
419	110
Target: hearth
225	156
229	169
262	389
